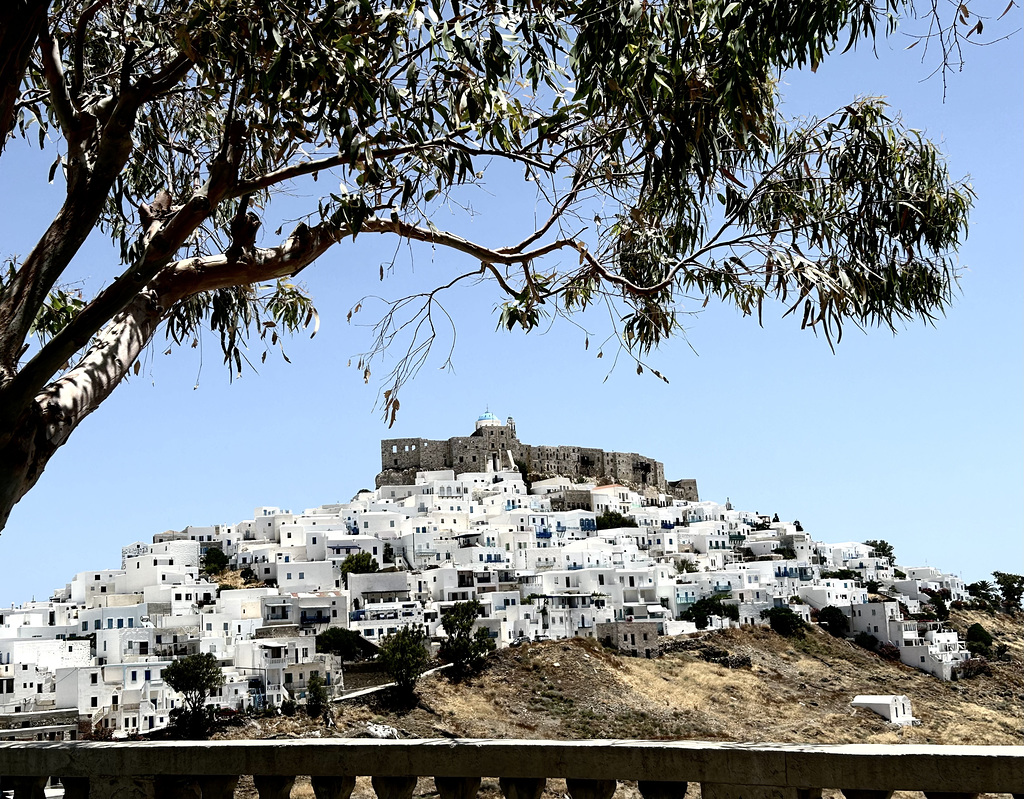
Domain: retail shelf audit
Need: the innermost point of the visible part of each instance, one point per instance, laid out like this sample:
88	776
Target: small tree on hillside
317	699
194	677
404	656
834	620
464	647
612	519
389	553
979	640
215	561
1011	586
345	643
359	563
983	592
785	622
938	604
839	574
881	549
700	612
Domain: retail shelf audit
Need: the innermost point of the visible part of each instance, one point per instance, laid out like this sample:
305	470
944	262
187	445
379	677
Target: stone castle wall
491	445
684	489
414	453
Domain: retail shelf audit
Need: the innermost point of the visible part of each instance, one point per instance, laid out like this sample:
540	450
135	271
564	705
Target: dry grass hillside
795	691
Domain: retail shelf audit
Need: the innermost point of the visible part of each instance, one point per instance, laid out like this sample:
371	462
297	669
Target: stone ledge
963	769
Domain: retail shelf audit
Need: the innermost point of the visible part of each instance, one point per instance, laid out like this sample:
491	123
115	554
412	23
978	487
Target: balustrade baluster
393	787
118	787
218	787
273	787
522	787
457	787
333	787
29	787
590	789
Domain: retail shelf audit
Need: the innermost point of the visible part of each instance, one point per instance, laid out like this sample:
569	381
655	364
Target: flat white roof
875	698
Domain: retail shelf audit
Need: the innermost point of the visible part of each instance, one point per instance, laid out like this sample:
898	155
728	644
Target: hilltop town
553	542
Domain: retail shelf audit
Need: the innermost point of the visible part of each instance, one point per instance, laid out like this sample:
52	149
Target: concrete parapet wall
963	769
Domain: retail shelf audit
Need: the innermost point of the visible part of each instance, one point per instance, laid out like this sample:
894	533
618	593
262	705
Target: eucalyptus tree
649	130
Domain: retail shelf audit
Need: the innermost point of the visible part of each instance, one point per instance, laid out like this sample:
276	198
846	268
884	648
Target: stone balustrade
591	769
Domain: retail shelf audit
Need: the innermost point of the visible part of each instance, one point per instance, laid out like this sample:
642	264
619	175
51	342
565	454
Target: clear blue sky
915	438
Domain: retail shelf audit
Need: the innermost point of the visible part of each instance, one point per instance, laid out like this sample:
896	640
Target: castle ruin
494	446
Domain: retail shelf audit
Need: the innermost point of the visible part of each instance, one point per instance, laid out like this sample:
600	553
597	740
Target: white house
894	708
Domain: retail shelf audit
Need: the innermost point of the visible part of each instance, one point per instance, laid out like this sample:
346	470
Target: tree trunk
50	418
20	23
47	421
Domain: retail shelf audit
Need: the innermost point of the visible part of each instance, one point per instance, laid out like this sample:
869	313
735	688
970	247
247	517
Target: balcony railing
591	768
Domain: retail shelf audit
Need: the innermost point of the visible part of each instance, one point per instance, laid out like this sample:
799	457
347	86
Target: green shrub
1011	588
193	677
700	612
612	519
839	574
404	656
939	607
881	549
317	699
979	640
358	563
834	620
214	561
975	667
345	643
785	622
464	648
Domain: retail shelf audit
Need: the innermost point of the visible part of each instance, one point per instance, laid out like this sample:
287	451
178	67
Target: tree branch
194	275
293	171
78	56
164	79
65	235
556	214
479	251
161	245
53	72
287	173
